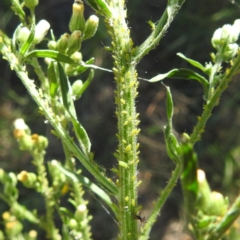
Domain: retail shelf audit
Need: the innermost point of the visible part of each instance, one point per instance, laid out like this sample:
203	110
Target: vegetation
56	88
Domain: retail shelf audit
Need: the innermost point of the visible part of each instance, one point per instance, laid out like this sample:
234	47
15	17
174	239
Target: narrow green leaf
55	55
85	182
69	106
25	47
173	147
169	104
100	6
66	92
82	136
193	62
183	73
53	76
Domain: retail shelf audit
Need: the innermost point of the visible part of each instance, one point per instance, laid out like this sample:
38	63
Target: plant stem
160	202
125	94
199	128
159	30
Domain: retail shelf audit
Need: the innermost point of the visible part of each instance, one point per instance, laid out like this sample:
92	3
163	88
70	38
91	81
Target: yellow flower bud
77	21
91	27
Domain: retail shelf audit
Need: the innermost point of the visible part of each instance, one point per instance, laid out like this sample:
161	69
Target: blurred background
190	33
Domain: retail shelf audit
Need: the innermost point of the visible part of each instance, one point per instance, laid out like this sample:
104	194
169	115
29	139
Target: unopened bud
77	89
91	27
62	43
77	21
29	180
218	204
31	4
25	143
41	31
40	142
79	214
74	43
52	45
23	35
77	56
230	51
204	191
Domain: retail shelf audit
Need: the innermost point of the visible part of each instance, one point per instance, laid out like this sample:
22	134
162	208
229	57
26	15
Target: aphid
140	218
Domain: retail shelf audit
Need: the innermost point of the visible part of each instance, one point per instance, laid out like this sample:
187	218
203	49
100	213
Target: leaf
25	47
193	62
52	74
85	182
173	147
55	55
67	97
169	104
100	6
183	73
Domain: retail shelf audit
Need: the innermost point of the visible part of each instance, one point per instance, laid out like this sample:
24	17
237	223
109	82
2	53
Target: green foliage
207	212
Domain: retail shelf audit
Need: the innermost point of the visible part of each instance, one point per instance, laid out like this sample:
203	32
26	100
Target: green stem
125	94
160	29
199	128
92	167
160	202
227	221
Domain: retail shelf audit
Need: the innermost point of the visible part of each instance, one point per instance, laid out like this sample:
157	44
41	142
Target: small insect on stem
140	218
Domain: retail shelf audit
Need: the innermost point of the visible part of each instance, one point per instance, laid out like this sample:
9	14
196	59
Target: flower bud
29	180
230	51
25	143
13	228
31	4
226	33
52	45
73	224
41	31
77	56
62	43
77	21
79	214
40	142
218	204
77	89
204	191
74	43
23	35
216	39
21	125
91	27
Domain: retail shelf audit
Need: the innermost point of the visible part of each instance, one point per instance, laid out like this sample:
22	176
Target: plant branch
43	104
159	30
199	128
160	202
